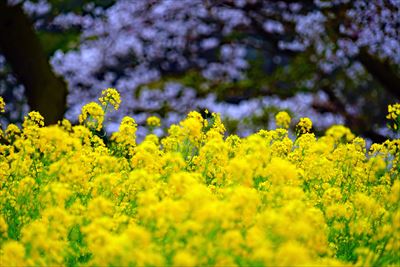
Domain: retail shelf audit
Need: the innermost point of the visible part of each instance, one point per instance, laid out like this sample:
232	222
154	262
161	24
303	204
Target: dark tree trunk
45	91
382	72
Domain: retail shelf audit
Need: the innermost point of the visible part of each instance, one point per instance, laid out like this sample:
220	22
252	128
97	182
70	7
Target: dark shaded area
45	91
382	72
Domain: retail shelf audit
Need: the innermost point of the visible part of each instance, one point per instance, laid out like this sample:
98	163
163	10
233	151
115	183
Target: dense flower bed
72	196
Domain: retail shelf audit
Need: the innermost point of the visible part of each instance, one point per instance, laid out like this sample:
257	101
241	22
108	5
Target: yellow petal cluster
304	126
282	119
33	119
153	121
394	116
393	111
196	197
2	105
110	96
92	116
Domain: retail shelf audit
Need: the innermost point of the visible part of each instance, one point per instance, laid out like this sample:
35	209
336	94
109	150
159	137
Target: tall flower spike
110	96
282	119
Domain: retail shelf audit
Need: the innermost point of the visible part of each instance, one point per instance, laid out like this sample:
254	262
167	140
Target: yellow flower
13	254
281	171
3	227
184	258
33	119
92	115
153	121
393	111
125	138
304	126
2	105
394	116
282	119
193	127
12	130
340	133
110	96
66	124
292	254
195	197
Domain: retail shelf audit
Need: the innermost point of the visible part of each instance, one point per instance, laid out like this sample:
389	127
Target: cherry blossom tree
238	57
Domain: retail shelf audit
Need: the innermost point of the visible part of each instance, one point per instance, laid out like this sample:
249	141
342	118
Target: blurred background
337	61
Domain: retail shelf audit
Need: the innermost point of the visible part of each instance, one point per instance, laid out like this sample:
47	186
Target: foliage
196	197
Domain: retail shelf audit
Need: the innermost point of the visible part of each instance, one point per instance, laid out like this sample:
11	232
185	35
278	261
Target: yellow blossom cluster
153	121
394	111
304	126
394	115
282	119
33	118
2	105
92	116
110	96
69	197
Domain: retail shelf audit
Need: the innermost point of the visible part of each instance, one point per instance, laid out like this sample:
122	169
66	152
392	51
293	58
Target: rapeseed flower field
70	196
